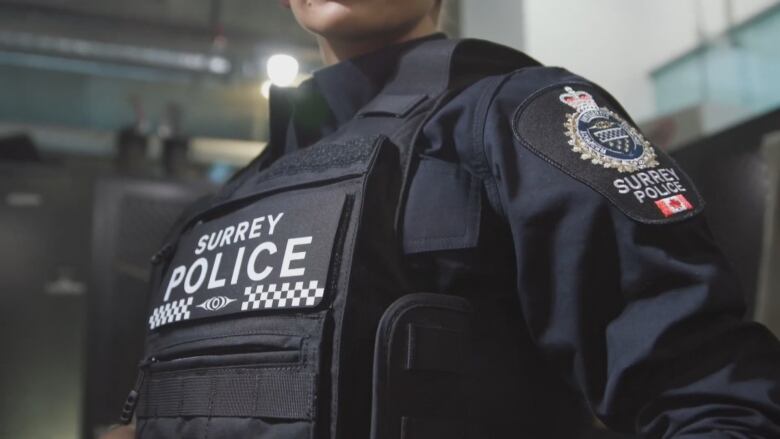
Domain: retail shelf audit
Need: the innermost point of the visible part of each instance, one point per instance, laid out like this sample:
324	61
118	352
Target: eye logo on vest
216	303
271	255
603	138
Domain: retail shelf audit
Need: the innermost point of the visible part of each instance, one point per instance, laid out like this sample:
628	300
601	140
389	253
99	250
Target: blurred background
116	114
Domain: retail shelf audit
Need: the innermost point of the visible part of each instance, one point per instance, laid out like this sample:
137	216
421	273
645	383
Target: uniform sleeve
620	282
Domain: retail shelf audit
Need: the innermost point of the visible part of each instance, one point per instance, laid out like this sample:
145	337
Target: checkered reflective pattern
170	312
271	297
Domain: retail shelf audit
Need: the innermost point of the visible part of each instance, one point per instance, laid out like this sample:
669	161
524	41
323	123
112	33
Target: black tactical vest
281	308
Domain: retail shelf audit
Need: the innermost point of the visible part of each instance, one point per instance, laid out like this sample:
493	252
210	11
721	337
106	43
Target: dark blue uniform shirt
638	318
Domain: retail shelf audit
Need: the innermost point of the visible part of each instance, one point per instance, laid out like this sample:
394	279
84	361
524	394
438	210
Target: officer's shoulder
502	95
522	86
578	129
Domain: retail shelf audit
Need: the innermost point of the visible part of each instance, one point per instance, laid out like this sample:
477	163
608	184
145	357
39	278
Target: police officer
581	248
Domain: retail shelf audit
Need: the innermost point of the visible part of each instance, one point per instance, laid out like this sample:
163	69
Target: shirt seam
481	162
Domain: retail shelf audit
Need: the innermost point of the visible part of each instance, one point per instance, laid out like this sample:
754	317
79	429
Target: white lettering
645	179
270	247
651	192
621	186
176	277
290	255
272	222
227	235
257	225
237	267
201	244
656	176
189	287
241	231
213	281
213	243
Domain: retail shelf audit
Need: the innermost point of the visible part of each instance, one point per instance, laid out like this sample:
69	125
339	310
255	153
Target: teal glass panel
48	96
741	70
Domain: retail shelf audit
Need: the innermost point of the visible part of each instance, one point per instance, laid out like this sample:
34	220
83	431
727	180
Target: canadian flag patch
673	205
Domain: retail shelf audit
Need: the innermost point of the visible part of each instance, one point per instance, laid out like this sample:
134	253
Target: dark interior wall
132	217
44	269
72	296
730	172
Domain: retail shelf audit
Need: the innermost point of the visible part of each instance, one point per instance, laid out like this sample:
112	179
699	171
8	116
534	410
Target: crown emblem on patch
579	100
602	137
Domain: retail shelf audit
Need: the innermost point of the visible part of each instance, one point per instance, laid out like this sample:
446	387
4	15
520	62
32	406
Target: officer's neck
335	50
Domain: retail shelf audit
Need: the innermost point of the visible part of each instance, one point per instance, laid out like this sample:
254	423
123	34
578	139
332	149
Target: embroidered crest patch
599	147
604	138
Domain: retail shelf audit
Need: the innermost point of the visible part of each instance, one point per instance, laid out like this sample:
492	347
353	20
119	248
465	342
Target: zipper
131	402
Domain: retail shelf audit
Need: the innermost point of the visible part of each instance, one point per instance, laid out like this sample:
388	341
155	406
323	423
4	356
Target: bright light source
219	65
265	89
282	69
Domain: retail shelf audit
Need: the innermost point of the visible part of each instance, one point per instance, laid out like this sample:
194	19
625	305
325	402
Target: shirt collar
351	84
332	97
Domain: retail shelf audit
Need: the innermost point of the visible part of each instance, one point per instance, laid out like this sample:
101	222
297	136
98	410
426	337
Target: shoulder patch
573	129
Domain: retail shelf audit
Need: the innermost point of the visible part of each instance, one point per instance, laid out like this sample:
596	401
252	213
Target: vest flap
443	208
396	105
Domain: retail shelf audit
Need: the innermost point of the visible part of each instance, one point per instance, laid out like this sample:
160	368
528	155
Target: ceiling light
265	88
282	70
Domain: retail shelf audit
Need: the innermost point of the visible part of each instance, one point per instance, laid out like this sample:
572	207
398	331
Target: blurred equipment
131	218
19	147
44	270
674	130
131	150
768	302
132	142
175	146
73	278
733	172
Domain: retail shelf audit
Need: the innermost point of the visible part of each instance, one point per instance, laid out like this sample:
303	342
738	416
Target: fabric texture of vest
281	308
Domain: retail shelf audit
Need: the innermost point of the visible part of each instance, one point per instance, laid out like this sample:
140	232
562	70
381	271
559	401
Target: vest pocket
247	321
237	351
419	371
237	382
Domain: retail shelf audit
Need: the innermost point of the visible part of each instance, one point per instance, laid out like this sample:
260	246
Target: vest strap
393	105
267	393
431	74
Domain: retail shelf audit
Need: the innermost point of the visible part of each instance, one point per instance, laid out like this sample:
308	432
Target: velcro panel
264	393
351	156
434	349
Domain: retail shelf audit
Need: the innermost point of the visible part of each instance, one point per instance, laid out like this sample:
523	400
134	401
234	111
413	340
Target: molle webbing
268	393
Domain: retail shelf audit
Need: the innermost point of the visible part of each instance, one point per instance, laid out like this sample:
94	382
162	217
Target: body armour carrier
281	308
